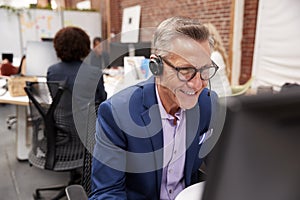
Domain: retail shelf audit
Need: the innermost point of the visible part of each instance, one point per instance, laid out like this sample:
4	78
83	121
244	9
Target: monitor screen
142	49
8	56
257	156
47	39
39	56
119	50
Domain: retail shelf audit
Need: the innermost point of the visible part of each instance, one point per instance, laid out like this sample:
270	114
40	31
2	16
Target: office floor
17	179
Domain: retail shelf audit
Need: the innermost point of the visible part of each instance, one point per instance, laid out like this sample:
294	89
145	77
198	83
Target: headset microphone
209	88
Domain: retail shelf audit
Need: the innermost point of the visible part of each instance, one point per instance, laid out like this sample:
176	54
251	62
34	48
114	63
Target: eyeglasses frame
201	69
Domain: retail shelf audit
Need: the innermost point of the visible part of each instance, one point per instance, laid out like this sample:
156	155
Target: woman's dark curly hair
71	44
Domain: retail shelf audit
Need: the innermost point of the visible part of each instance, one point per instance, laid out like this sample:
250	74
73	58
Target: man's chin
188	105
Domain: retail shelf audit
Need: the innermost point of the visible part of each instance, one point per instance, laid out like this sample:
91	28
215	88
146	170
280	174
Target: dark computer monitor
142	49
47	39
39	56
8	56
258	153
119	50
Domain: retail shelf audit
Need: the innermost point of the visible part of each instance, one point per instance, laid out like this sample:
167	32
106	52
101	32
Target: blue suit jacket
128	154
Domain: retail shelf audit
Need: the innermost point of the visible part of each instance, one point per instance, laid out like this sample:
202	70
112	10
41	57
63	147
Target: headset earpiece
156	66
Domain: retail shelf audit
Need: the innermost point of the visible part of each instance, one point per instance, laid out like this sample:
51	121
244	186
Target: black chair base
10	121
75	178
37	195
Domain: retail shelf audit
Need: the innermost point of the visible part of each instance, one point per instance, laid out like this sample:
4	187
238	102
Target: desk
115	80
23	140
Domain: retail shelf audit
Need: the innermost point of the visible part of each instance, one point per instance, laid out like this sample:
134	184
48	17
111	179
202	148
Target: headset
156	66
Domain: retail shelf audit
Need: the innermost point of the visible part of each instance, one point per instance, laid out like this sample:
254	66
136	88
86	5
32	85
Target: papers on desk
136	69
113	83
192	192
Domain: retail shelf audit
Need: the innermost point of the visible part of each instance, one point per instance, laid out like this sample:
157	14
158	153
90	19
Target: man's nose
196	82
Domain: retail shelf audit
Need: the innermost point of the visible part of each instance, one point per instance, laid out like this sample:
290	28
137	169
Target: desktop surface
257	155
21	100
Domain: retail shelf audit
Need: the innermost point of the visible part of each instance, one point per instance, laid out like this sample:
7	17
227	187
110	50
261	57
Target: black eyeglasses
188	73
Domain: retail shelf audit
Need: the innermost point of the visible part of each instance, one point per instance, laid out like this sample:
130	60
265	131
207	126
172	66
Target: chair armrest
241	89
76	192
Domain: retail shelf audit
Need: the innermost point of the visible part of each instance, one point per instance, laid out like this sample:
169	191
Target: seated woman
72	45
220	83
7	69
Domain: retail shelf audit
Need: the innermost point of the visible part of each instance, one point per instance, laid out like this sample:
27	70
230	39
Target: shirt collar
164	114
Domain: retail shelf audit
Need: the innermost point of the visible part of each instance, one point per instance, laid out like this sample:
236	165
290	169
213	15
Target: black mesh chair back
56	145
90	142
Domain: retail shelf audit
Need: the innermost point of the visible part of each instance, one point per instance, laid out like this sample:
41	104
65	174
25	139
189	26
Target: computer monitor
258	153
119	50
8	56
47	39
142	49
39	56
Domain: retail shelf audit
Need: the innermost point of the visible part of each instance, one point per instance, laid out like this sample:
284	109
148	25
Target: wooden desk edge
22	101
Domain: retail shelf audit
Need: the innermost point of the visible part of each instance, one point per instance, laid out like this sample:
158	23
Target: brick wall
153	12
71	3
248	39
217	12
116	13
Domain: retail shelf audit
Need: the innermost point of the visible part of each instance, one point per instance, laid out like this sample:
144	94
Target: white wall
10	36
89	21
277	46
33	24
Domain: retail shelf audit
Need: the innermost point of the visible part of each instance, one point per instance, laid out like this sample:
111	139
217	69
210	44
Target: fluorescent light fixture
83	5
18	3
53	4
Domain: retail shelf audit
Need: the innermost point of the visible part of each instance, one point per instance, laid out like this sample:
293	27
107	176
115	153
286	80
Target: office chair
10	121
241	89
82	191
56	145
76	192
89	144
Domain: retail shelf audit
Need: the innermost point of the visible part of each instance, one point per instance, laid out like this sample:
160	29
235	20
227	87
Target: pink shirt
174	136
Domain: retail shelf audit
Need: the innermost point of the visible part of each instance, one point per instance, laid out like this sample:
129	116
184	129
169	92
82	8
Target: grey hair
175	27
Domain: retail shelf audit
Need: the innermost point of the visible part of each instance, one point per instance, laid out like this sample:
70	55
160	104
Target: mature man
149	135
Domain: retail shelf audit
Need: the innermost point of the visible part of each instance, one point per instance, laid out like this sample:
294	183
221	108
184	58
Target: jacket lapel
153	124
192	145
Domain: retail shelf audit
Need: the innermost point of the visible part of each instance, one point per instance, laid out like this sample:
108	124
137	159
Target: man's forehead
194	52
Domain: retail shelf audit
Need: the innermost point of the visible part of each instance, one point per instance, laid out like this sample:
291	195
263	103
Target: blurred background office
260	38
99	54
241	24
220	83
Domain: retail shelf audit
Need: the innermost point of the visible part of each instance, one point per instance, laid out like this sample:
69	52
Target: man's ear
152	56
